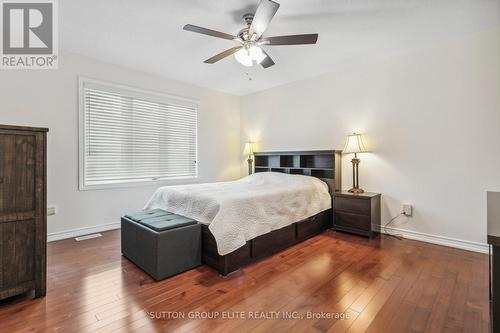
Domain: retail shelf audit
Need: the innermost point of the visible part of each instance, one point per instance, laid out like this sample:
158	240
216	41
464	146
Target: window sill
139	183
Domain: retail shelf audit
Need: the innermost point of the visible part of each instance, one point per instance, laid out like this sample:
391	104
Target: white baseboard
409	234
82	231
439	240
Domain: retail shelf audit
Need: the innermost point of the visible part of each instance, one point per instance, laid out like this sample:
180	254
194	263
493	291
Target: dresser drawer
353	221
358	206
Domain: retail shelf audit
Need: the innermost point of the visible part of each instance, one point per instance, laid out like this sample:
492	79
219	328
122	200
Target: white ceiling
147	35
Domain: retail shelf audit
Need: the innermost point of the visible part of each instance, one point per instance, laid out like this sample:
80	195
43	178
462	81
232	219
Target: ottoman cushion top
160	220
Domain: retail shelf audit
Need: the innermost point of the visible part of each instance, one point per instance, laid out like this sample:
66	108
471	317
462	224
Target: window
130	136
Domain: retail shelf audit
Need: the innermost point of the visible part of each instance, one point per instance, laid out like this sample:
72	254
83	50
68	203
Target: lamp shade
250	147
354	144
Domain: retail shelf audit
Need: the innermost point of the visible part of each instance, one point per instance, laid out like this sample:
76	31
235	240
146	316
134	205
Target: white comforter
241	210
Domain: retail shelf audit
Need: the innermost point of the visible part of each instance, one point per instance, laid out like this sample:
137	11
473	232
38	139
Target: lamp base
357	190
250	168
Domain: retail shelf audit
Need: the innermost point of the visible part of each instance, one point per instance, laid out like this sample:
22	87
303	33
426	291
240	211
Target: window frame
149	95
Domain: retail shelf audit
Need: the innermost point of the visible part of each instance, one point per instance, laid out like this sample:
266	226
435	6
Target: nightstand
357	213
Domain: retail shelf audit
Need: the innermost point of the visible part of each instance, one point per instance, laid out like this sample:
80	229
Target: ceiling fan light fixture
246	56
256	54
243	57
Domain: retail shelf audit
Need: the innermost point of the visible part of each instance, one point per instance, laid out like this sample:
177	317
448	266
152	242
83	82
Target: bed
287	200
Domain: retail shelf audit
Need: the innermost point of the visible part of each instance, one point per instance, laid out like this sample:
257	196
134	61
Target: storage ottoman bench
161	243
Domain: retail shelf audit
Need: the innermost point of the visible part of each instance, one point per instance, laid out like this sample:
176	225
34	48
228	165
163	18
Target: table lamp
354	145
250	146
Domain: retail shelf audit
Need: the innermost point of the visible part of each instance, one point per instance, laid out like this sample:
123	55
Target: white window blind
133	137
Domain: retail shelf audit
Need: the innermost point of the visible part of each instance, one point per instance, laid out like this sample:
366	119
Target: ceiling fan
250	38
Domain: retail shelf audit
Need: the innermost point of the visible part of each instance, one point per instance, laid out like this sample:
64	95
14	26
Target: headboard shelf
288	161
322	164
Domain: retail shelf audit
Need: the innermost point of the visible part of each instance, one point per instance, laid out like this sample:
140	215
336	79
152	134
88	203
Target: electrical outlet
51	210
408	209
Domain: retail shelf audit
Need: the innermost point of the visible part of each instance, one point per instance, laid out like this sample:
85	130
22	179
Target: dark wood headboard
322	164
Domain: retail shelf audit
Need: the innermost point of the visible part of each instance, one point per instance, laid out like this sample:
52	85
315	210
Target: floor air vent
81	238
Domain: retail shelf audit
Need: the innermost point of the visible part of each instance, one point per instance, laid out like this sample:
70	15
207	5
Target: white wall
431	118
49	99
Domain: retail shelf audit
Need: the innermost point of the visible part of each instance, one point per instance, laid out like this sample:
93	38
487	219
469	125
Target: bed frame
322	164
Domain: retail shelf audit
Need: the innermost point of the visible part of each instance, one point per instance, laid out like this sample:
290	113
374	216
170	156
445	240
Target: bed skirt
264	245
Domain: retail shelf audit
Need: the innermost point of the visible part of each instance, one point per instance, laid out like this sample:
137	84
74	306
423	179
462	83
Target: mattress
240	210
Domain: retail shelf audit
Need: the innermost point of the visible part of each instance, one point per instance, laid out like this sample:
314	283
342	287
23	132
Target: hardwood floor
380	285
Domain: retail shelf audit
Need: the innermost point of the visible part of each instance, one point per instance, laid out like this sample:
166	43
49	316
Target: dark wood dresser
494	265
357	213
493	229
23	210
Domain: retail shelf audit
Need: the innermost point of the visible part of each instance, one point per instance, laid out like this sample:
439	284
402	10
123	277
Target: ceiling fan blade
264	14
267	62
290	40
222	55
209	32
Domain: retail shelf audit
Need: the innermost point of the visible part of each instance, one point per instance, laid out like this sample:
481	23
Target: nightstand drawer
353	221
354	205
